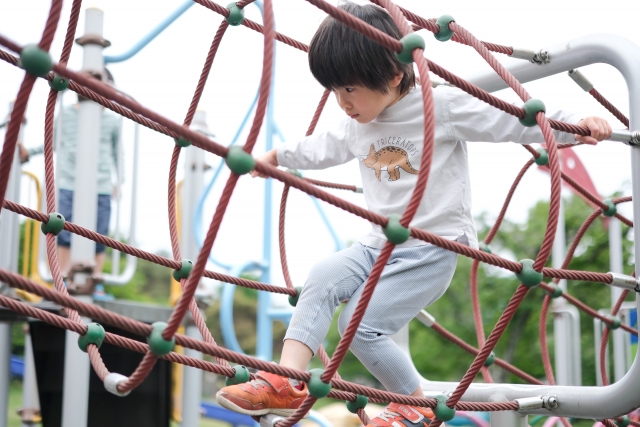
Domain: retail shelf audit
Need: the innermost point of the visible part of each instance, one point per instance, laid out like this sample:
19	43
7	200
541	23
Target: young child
384	130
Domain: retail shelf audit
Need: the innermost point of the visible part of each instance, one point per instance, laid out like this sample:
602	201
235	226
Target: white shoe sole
227	404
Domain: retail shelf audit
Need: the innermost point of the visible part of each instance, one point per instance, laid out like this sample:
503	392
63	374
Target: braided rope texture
127	107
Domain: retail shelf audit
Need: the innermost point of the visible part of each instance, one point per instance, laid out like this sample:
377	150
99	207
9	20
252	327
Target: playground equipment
597	403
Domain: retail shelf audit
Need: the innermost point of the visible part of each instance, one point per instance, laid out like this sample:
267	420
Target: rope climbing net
161	337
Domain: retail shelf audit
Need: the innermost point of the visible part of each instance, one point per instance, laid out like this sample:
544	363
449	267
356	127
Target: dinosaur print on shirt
389	158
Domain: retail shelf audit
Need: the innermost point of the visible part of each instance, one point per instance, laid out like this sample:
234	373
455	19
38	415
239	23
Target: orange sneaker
267	394
398	415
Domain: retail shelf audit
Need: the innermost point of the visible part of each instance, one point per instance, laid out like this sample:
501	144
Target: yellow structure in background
31	246
174	295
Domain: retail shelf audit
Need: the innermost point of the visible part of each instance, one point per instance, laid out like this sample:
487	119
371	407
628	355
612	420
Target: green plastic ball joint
295	172
445	32
410	42
531	108
241	376
95	335
490	359
158	345
543	160
293	299
616	323
239	161
557	291
612	209
528	276
317	388
442	411
236	15
185	270
59	83
394	231
485	248
182	142
360	402
35	60
624	422
55	224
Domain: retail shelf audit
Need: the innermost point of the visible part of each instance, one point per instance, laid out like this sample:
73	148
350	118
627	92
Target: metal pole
5	371
622	396
192	386
506	418
615	262
191	189
9	245
75	397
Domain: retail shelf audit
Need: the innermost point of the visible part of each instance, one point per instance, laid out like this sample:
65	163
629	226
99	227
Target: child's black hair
340	56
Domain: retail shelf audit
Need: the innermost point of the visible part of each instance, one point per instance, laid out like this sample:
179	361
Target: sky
163	77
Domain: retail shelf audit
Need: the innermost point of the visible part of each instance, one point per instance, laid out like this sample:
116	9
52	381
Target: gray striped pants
412	279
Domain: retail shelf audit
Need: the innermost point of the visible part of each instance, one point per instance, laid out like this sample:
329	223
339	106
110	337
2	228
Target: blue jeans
65	207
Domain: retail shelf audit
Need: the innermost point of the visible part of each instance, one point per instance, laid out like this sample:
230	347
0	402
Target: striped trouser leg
413	279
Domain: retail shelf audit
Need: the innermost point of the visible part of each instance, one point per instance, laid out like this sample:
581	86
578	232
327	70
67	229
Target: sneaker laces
387	414
257	383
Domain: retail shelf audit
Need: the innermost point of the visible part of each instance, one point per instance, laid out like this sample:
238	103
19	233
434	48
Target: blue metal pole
151	35
264	348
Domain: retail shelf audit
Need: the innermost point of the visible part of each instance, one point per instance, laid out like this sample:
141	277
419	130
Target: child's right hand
269	157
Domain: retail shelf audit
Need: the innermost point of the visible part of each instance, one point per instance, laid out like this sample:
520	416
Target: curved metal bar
226	307
582	402
151	35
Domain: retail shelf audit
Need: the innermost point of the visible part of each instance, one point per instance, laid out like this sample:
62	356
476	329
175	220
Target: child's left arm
599	127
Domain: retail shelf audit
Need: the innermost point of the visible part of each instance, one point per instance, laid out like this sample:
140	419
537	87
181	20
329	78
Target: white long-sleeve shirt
389	150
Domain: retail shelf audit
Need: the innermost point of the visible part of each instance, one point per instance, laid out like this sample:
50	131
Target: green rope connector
557	291
293	299
59	83
236	15
612	209
95	335
182	142
445	32
490	359
394	231
543	160
442	411
295	172
528	276
55	224
241	376
317	388
624	422
485	248
360	402
531	108
239	161
185	270
616	323
35	60
409	42
158	345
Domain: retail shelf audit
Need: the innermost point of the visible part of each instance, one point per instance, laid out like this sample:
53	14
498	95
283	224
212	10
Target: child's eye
348	89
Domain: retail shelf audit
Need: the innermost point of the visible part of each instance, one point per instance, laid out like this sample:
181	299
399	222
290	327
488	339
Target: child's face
363	104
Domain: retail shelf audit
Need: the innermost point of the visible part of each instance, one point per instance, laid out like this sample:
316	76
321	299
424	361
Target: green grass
15	402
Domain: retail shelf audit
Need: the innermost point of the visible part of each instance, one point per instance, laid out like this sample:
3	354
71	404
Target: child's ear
395	82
